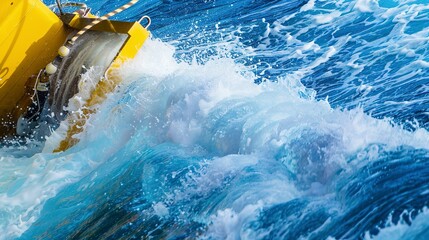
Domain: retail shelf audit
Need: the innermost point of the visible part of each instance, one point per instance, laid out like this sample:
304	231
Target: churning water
244	119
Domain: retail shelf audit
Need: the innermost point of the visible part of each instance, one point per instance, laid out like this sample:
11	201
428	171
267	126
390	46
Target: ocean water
244	120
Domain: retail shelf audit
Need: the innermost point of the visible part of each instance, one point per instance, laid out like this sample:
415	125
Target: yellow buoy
31	37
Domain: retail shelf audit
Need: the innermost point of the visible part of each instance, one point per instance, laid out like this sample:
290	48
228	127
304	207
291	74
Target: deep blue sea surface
244	119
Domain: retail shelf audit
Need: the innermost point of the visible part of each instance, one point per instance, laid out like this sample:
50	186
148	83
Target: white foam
327	18
366	5
160	209
308	6
227	224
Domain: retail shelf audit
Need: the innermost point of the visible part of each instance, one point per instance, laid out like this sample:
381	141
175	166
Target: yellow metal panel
75	22
30	35
137	36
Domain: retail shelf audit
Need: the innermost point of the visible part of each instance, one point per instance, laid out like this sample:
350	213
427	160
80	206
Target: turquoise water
244	120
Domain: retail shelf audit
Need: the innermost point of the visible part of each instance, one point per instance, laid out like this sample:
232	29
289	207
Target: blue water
244	120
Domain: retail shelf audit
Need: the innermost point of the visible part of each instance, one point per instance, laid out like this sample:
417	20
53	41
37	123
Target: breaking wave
244	120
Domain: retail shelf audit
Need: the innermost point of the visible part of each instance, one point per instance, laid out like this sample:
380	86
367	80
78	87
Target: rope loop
148	20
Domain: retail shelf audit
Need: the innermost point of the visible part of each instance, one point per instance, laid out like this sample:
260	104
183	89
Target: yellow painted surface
30	35
136	37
